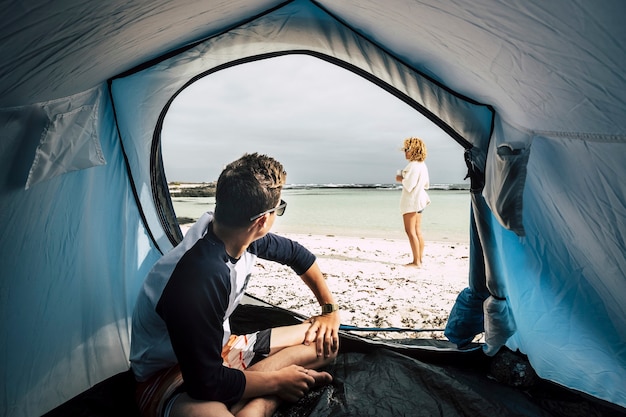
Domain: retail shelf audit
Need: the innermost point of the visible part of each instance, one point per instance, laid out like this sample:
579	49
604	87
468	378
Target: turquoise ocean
357	211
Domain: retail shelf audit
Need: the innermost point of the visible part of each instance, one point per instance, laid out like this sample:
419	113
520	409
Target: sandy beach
371	283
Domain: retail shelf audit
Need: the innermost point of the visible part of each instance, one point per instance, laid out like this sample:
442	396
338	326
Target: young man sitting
185	360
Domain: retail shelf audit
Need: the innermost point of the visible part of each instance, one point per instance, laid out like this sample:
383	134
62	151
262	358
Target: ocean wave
445	187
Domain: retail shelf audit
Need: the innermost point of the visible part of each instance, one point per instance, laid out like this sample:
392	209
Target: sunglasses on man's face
280	210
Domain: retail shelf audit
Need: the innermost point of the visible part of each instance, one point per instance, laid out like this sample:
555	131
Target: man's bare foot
266	406
258	407
321	378
414	265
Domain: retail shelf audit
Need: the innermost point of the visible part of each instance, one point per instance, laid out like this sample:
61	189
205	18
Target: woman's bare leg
420	237
410	220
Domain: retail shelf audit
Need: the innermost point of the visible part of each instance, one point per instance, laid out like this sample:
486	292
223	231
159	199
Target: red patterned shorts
155	394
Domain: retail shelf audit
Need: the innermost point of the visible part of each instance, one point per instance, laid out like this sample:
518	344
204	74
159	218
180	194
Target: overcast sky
322	122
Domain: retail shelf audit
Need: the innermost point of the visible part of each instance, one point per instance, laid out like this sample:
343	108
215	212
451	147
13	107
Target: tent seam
586	136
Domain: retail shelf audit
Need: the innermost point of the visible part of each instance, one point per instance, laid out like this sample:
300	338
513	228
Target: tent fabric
66	297
75	119
482	305
420	383
413	388
534	90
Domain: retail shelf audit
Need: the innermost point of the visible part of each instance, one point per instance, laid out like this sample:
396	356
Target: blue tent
534	91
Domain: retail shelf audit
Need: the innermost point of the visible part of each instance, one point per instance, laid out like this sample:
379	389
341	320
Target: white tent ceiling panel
56	50
523	57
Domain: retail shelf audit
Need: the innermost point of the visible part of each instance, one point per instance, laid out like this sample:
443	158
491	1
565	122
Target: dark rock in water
513	368
200	190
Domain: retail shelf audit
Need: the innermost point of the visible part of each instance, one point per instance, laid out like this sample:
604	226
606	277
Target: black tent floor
378	380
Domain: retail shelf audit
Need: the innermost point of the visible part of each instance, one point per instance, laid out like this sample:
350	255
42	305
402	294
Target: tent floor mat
373	380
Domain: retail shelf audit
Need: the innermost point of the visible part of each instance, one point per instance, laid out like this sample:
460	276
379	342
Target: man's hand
295	382
324	330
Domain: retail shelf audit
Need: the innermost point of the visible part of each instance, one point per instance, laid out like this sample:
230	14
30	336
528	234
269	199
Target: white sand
371	283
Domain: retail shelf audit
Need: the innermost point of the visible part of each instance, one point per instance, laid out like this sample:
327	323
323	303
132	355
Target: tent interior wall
535	89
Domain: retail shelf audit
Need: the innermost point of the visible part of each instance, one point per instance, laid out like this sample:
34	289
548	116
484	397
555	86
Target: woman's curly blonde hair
415	149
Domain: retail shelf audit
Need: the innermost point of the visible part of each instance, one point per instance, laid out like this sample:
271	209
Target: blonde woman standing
415	182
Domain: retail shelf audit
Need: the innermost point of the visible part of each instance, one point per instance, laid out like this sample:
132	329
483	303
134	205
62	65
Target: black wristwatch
329	308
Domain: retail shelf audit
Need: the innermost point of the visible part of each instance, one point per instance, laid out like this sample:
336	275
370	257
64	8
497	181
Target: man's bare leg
299	355
185	406
286	348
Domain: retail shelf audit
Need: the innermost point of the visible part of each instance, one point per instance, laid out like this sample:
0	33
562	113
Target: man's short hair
246	187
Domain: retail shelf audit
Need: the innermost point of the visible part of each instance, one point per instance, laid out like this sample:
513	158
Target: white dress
415	182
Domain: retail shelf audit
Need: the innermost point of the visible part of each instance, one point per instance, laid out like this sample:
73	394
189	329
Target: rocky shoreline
192	190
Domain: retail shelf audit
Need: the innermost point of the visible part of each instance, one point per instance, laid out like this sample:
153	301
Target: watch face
329	308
